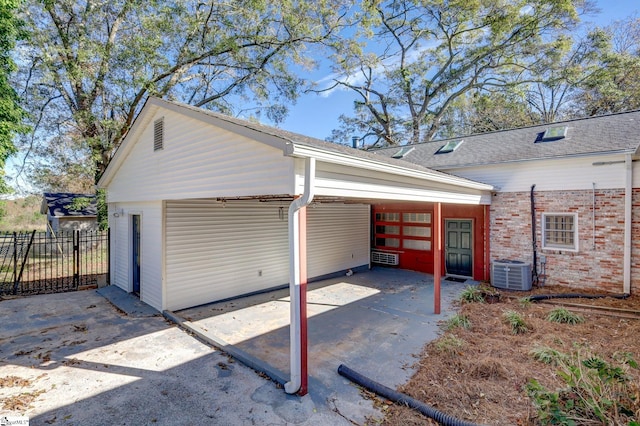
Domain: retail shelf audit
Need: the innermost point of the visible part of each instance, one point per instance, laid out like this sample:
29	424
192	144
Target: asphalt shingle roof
602	134
59	204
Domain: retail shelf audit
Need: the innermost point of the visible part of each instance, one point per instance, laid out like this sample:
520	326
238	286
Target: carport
333	183
375	321
187	191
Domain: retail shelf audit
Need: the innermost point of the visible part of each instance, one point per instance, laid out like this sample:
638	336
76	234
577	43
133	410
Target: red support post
437	256
487	243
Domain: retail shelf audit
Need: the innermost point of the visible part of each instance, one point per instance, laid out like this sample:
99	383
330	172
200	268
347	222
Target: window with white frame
560	231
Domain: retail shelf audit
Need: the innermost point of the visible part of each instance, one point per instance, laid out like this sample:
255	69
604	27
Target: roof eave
304	151
524	160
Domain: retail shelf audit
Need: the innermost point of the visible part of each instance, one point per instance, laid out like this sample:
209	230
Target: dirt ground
483	378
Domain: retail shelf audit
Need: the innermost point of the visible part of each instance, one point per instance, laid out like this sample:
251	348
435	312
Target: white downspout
628	202
295	382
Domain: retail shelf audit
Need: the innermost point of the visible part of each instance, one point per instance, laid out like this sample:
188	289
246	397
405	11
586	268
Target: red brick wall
598	264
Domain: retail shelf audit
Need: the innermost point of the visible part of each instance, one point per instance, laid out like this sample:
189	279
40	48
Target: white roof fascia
303	151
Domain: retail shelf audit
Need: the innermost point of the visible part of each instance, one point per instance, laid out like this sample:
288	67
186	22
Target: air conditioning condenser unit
511	275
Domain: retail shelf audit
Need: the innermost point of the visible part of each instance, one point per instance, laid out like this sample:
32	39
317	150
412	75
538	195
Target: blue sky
316	116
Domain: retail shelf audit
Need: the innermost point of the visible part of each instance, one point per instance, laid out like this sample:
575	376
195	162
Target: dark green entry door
459	247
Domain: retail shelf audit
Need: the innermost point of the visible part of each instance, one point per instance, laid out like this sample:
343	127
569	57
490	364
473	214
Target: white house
204	207
580	182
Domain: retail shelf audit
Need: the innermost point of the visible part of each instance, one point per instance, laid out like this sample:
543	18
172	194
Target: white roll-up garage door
218	250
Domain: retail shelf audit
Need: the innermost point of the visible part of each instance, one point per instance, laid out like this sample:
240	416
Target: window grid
560	231
403	230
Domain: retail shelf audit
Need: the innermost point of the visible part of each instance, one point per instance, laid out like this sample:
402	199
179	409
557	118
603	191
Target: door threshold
457	279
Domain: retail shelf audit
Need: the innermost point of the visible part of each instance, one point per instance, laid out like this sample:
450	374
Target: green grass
22	214
471	294
525	302
449	344
564	316
596	391
458	320
547	355
515	321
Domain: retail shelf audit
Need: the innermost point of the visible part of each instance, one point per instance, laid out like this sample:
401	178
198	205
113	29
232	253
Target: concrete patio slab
74	359
82	361
375	322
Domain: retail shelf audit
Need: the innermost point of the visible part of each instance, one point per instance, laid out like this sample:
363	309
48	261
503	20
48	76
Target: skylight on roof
403	151
449	147
554	134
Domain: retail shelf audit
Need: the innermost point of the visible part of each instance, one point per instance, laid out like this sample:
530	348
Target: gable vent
158	134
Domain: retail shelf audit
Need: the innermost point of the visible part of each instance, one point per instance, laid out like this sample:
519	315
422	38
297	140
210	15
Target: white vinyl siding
216	251
551	174
199	160
150	249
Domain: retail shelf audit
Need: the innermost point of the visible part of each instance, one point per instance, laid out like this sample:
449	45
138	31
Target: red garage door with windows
406	231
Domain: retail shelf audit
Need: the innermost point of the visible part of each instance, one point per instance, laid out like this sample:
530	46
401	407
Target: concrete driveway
75	359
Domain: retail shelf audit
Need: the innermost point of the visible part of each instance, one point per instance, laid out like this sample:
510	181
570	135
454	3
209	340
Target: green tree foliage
488	111
93	63
11	114
554	81
616	85
412	59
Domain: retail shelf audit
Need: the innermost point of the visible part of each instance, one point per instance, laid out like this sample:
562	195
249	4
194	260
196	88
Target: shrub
596	392
458	320
564	316
514	320
471	294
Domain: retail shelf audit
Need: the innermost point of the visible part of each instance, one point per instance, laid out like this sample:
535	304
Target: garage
204	207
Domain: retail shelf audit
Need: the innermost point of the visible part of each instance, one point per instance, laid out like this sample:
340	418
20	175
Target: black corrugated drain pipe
392	395
538	297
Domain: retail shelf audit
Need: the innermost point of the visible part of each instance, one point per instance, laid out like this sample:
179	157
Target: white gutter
628	202
304	151
295	382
